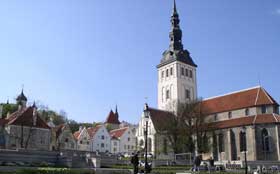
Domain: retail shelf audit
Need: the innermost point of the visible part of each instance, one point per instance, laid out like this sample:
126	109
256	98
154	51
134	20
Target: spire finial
174	7
116	111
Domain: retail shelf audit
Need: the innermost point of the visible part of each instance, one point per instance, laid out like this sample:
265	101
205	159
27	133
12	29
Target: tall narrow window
221	143
263	108
242	140
191	74
215	117
187	94
162	74
167	73
265	141
182	71
167	94
171	71
187	72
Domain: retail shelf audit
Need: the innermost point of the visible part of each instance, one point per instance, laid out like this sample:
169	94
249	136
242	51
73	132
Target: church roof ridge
234	92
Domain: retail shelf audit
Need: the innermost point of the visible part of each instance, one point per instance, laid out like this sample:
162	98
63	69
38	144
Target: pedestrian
135	162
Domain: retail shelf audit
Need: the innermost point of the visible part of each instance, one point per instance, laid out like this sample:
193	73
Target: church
249	116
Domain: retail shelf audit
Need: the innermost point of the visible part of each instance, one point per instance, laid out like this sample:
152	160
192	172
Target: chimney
1	111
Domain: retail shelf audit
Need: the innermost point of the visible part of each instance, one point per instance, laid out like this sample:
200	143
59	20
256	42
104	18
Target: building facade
100	139
247	118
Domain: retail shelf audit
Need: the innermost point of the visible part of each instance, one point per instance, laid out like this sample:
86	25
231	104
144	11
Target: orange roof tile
117	133
237	100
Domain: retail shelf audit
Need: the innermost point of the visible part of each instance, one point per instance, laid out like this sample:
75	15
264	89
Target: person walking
135	163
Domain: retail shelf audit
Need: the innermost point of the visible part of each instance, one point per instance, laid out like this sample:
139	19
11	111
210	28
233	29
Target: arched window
265	141
141	143
242	140
221	142
233	145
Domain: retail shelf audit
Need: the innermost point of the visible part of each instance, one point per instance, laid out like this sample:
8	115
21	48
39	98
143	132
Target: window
233	145
165	146
182	71
215	117
263	108
128	147
167	94
221	143
102	137
171	71
128	139
167	73
247	111
102	145
187	72
81	142
229	114
187	94
162	74
191	74
66	140
115	143
276	110
265	141
87	143
242	140
124	146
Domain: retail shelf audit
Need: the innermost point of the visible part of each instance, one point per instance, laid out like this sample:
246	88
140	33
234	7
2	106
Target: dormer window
263	109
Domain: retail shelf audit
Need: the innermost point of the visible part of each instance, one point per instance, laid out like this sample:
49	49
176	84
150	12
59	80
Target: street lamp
146	119
244	147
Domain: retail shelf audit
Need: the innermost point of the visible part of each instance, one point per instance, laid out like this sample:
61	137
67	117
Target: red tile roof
112	118
25	117
237	100
92	130
245	121
160	118
117	133
76	135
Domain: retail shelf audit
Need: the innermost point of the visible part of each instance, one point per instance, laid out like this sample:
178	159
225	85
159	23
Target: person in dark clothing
211	162
135	162
197	162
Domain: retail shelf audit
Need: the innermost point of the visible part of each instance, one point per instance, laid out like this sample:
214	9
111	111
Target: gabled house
123	140
62	137
158	144
99	139
83	139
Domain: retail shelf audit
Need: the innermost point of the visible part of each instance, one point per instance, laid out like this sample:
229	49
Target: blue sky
86	56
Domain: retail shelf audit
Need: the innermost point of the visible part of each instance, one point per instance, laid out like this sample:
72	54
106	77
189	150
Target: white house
100	139
123	140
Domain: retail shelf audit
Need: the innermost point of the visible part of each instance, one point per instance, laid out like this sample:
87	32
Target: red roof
92	130
245	121
237	100
25	117
112	118
117	133
76	135
160	118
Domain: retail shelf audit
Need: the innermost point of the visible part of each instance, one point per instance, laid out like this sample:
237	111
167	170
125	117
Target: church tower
176	71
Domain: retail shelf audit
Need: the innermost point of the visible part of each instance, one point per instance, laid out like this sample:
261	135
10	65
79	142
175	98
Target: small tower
21	100
176	71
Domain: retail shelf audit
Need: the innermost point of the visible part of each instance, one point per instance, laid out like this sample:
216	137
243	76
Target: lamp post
146	119
244	144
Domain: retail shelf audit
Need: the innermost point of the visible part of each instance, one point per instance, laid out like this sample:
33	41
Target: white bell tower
176	71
